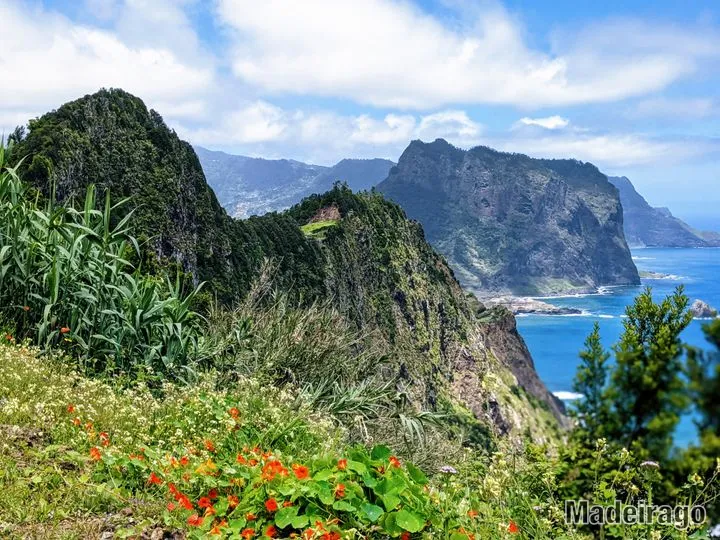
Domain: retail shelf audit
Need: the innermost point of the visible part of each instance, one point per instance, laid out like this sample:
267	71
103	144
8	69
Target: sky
631	86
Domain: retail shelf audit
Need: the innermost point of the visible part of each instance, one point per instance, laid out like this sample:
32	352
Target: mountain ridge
254	186
648	226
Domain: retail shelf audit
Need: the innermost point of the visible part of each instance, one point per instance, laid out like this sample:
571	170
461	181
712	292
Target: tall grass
66	281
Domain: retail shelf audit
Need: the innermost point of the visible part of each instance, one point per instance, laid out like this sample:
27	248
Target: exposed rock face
646	226
252	186
702	310
524	305
509	223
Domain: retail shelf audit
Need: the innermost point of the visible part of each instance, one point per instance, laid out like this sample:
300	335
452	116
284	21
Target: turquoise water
555	341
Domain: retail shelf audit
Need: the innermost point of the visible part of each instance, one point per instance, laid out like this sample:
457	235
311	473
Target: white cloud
47	60
325	136
550	122
253	123
390	53
677	108
613	150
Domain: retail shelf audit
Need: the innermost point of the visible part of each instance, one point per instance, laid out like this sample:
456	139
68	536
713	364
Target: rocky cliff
253	186
646	226
510	223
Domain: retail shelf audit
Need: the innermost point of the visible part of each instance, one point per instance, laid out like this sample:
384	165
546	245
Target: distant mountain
646	226
252	186
511	223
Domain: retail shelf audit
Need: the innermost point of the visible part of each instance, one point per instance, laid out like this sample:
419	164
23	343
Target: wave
635	258
568	396
604	316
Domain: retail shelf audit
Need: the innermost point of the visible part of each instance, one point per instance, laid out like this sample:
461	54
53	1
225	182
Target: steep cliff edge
513	224
384	274
646	226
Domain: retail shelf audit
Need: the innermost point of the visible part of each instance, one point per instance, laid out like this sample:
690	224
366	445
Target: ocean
555	340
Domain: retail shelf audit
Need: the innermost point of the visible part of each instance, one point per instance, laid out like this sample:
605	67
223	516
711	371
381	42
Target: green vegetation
348	389
316	229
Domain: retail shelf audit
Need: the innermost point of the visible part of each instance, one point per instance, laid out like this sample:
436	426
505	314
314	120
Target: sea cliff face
513	224
646	226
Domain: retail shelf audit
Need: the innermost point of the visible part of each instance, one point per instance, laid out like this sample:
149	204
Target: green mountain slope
358	250
112	140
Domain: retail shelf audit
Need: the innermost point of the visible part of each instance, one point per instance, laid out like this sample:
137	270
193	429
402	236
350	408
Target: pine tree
704	375
647	387
592	410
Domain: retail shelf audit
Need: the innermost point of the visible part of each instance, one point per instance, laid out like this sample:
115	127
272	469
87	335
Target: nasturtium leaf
409	521
299	522
380	453
416	474
284	516
372	511
356	466
390	501
343	506
323	475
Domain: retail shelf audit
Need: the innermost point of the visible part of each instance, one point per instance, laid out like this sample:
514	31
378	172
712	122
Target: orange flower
336	536
253	462
234	412
204	502
250	517
301	471
247	533
271	505
405	536
95	453
154	479
342	464
76	421
308	534
184	461
71	408
217	529
340	491
512	528
209	445
26	308
287	503
271	531
472	514
210	511
395	462
194	520
64	329
104	438
171	506
241	459
233	501
213	493
273	468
